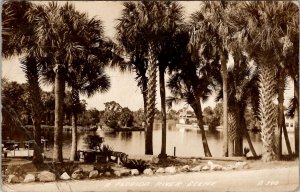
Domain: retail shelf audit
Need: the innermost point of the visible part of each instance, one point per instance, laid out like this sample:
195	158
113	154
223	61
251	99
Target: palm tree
169	55
243	87
185	84
64	35
17	35
260	28
142	30
211	19
88	80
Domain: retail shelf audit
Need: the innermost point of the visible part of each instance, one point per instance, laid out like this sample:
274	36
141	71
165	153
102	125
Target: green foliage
140	165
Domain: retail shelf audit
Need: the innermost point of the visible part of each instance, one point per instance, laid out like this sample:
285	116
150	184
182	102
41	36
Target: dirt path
276	179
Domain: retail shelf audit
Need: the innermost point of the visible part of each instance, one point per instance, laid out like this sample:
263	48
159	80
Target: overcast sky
124	89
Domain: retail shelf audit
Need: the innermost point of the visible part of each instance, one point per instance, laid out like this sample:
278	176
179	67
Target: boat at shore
188	122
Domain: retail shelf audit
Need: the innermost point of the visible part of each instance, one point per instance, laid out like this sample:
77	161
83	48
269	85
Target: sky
123	89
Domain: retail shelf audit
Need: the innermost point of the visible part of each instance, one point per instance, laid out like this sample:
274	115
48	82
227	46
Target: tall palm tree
211	19
142	30
18	38
64	35
169	55
260	28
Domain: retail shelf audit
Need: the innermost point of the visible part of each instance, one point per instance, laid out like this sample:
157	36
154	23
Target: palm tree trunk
267	111
280	114
150	103
75	103
144	92
240	131
32	76
232	136
250	143
163	113
296	116
196	105
58	123
225	104
286	137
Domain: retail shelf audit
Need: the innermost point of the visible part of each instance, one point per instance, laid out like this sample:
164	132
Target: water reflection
187	142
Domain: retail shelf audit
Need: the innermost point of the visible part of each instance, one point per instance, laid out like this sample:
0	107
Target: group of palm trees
64	47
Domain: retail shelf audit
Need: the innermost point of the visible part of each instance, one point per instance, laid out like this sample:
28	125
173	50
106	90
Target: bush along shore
50	172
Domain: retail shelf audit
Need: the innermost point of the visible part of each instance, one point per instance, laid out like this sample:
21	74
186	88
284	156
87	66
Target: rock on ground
185	168
107	173
13	179
117	173
216	167
46	176
134	172
93	174
65	176
170	169
197	168
77	174
29	178
160	170
241	165
148	172
205	168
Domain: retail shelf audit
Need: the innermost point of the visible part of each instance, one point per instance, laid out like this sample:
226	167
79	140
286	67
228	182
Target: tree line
64	47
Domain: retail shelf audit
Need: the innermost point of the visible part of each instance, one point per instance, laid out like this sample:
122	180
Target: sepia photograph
142	96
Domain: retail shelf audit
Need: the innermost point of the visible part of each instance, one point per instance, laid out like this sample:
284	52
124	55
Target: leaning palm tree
210	19
64	35
18	38
263	28
186	85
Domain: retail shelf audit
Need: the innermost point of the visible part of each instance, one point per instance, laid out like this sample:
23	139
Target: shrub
106	150
140	165
93	141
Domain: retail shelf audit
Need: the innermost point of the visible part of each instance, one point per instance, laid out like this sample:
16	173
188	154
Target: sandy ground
269	179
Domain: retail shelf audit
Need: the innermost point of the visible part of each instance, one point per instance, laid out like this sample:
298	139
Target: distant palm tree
64	36
18	38
265	30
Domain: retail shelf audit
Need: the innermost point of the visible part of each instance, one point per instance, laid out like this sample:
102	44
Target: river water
188	142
